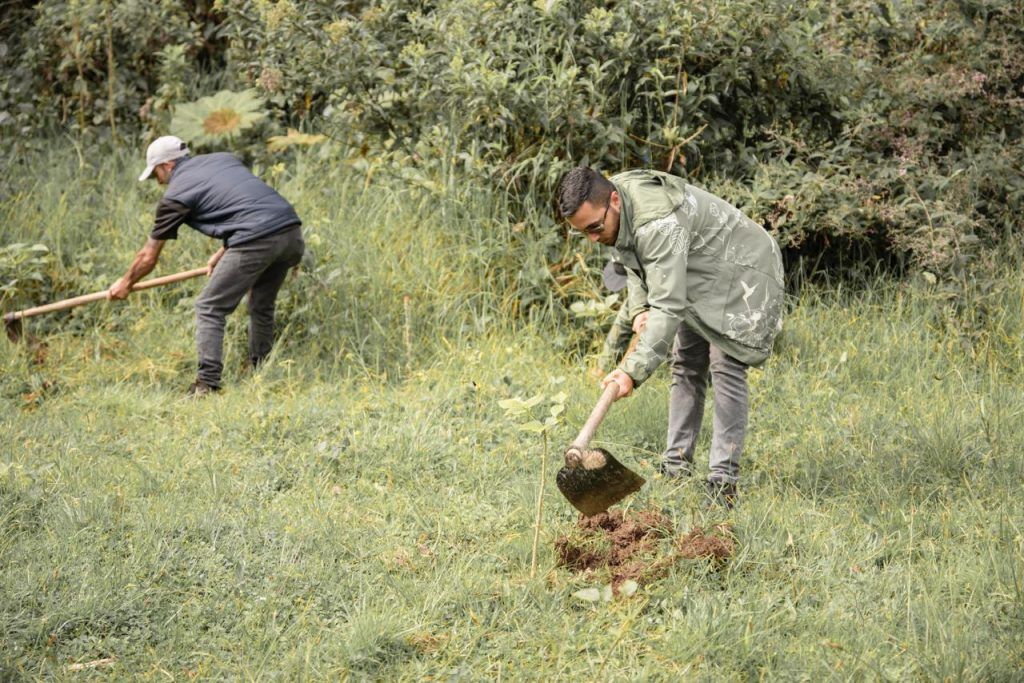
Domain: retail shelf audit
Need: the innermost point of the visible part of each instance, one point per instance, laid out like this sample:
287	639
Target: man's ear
614	201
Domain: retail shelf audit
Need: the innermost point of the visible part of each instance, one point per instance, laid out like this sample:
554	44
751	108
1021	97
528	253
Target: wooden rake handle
99	296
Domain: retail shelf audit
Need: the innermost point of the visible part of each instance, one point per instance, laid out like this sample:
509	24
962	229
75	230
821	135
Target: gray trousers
257	268
692	358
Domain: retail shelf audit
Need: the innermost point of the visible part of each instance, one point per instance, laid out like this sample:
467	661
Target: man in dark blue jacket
261	234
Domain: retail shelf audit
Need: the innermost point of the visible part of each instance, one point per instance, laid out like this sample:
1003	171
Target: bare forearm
142	266
144	262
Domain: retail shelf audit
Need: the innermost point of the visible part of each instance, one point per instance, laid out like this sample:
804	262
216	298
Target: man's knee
208	313
204	309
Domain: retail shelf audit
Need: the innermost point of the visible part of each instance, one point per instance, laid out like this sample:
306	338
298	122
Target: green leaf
533	400
278	143
588	309
588	594
533	426
510	404
219	117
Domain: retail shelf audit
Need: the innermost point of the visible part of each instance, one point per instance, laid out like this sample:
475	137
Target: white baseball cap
167	148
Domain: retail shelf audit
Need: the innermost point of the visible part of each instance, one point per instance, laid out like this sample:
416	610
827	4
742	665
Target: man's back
226	201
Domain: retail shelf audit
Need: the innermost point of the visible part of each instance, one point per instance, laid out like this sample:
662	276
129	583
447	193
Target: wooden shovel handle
99	296
596	415
603	404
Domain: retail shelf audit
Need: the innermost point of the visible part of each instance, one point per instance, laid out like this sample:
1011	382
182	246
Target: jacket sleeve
169	217
661	247
636	295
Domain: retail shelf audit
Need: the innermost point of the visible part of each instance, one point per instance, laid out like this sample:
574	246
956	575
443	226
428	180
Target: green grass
361	507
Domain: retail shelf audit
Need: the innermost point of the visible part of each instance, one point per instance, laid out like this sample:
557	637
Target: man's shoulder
203	167
216	159
650	194
645	183
645	175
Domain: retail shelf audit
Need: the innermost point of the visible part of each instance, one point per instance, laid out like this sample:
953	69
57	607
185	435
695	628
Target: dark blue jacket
226	201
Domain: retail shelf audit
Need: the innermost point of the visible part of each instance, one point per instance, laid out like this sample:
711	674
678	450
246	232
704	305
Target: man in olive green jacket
713	282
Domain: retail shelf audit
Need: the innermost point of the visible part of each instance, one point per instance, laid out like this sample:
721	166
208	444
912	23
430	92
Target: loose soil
632	547
716	547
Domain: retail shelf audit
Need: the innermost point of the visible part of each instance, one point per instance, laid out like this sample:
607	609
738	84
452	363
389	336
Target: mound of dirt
628	546
716	547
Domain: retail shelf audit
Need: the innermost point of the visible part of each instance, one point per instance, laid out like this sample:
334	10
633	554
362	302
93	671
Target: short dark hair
582	184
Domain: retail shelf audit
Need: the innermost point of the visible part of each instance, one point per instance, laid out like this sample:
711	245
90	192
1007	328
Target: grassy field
363	507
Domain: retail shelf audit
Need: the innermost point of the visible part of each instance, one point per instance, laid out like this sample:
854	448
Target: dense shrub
88	64
860	132
520	92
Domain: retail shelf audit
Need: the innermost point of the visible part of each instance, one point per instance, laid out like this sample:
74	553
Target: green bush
863	133
96	64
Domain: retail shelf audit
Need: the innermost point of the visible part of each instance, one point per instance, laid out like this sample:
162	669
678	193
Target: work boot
199	388
674	470
674	465
719	494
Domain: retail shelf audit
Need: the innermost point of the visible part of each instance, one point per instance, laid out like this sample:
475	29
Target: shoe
199	388
719	494
674	471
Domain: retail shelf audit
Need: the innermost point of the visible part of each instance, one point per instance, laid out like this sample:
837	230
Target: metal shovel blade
593	480
13	328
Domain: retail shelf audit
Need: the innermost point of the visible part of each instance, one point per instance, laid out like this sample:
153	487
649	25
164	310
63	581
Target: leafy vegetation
860	132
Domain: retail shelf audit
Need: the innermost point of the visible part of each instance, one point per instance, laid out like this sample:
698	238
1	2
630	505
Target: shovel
592	479
12	321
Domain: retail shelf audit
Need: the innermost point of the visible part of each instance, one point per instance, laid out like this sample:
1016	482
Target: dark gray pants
692	358
257	268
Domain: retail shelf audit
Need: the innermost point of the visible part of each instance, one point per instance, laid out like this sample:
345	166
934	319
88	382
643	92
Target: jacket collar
625	239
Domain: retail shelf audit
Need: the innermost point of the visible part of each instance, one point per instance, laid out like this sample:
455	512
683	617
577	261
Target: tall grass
362	508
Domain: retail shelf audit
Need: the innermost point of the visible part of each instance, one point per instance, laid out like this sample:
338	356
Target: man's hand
119	290
624	382
640	321
212	263
142	266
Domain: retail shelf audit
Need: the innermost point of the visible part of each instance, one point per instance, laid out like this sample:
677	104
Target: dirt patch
632	547
718	546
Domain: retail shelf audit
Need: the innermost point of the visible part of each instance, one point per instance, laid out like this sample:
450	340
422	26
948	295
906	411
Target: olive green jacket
699	261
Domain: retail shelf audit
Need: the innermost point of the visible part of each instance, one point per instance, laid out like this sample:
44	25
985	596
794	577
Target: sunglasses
597	227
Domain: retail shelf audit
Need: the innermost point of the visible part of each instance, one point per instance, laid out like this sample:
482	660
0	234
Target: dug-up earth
635	546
